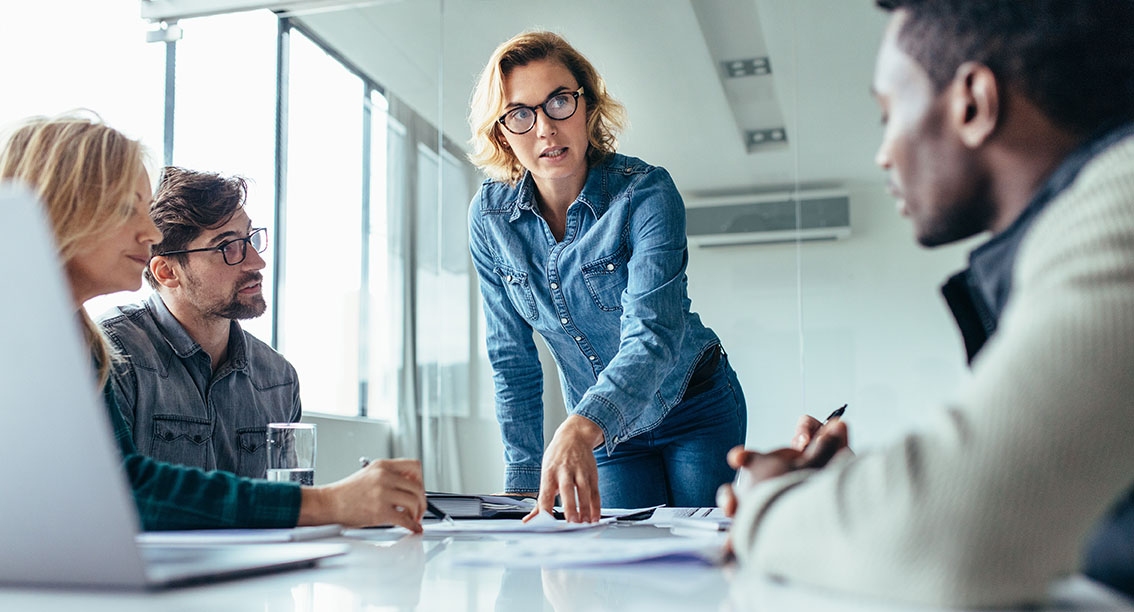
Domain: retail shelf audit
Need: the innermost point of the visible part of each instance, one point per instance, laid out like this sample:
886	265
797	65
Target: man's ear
167	273
974	103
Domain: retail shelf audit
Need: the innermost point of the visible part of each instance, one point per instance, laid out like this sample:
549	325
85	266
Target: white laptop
67	515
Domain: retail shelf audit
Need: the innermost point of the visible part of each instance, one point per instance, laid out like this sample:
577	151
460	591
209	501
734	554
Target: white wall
481	450
876	332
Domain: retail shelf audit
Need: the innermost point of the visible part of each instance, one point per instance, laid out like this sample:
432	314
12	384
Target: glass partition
759	109
748	103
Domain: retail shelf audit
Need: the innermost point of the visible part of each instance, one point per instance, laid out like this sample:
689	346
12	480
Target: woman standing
95	188
587	247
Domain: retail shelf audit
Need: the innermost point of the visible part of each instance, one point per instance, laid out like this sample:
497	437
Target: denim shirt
179	410
610	300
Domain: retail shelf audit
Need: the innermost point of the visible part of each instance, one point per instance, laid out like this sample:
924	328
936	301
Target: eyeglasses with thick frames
560	106
235	250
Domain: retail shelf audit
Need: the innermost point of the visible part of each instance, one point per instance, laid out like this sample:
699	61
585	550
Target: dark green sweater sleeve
172	496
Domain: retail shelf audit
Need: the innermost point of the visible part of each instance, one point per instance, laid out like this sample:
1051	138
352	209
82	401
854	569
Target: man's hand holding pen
813	446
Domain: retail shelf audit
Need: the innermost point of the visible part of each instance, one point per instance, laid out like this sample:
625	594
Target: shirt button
592	357
554	285
508	278
563	321
578	338
609	266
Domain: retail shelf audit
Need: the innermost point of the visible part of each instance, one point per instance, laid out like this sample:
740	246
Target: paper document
542	523
197	537
664	517
630	512
702	523
574	552
616	512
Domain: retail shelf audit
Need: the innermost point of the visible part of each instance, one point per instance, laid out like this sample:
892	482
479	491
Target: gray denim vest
182	412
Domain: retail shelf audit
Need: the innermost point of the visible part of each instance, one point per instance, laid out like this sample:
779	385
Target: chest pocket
519	291
181	439
252	461
606	279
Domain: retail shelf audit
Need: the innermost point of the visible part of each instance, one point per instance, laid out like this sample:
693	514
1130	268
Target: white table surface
393	572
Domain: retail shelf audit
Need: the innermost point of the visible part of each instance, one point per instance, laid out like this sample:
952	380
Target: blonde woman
96	190
587	247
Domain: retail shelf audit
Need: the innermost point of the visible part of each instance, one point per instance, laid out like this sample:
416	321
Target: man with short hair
1014	117
194	387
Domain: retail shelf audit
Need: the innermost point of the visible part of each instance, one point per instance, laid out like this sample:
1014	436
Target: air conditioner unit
783	217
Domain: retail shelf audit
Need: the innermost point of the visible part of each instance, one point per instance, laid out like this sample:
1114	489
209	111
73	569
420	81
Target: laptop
67	515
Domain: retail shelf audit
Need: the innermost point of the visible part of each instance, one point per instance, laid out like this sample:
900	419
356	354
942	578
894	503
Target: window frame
417	132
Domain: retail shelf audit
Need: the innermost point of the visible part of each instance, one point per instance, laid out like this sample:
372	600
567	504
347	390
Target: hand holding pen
437	512
808	427
814	445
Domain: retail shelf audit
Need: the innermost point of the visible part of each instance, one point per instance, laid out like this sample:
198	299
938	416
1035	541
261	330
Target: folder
479	506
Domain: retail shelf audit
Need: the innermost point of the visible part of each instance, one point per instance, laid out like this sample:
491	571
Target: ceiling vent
764	139
752	66
770	218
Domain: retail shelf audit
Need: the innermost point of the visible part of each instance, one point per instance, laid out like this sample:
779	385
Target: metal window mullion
170	99
364	281
283	63
409	270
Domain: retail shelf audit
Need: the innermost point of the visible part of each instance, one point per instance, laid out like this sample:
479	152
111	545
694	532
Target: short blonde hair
605	115
84	173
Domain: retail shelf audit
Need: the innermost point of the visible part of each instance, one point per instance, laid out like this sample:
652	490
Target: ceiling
657	58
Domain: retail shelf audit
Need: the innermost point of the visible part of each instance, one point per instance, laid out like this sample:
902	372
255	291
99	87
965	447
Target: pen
836	414
740	479
437	512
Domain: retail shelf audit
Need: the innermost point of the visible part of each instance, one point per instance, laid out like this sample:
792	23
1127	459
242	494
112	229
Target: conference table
393	570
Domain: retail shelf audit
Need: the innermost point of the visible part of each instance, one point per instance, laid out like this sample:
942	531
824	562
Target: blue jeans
682	461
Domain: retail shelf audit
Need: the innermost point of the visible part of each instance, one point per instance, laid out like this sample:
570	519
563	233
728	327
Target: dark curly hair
1073	58
187	203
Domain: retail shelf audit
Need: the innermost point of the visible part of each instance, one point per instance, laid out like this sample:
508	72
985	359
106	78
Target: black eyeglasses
560	106
235	250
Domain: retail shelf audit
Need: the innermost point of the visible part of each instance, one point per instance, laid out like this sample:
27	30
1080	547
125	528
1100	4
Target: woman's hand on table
569	470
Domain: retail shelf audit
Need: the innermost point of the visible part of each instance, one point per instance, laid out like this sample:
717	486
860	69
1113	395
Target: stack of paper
665	517
541	523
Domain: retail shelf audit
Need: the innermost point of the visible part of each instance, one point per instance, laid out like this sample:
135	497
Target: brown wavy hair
606	117
188	202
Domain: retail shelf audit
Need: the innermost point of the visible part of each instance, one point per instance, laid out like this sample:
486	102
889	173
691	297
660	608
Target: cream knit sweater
993	498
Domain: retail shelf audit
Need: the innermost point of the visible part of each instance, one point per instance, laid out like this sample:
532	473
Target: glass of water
291	453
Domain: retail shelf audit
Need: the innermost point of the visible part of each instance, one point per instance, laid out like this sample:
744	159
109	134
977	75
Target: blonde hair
605	115
84	173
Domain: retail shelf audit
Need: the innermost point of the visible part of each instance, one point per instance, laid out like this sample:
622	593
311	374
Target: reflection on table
388	570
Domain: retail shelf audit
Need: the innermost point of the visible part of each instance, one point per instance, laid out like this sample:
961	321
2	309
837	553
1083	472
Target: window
225	115
386	264
442	275
319	294
105	66
369	212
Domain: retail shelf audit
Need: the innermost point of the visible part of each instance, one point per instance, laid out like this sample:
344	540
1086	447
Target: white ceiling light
172	10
